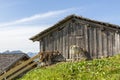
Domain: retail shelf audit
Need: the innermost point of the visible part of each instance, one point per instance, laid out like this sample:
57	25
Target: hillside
98	69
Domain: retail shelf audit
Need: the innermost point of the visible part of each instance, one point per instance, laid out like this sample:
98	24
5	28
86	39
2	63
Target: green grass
98	69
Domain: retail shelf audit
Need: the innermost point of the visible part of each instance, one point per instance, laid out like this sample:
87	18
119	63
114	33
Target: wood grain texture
97	40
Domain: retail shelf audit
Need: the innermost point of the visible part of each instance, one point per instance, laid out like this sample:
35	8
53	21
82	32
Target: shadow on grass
115	71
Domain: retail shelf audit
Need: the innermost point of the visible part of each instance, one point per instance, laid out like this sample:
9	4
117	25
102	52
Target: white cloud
36	16
15	35
18	38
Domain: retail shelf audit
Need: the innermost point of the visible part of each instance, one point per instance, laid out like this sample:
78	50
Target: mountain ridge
30	54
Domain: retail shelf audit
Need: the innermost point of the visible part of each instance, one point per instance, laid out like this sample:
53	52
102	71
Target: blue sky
22	19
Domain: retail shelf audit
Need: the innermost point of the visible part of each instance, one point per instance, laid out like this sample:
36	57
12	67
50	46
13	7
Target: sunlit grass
97	69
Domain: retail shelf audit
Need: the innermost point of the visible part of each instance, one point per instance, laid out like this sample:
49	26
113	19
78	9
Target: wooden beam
21	71
11	71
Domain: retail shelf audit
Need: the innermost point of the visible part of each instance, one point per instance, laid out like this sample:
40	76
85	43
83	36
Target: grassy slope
98	69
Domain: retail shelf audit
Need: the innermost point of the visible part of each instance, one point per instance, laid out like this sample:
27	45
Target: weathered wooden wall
98	40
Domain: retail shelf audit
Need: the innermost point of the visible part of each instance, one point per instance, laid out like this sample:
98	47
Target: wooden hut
9	61
98	39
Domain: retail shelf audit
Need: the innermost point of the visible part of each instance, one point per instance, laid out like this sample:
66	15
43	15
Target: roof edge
73	16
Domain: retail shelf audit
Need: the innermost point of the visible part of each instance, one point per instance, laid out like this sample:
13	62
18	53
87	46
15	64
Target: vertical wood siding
99	41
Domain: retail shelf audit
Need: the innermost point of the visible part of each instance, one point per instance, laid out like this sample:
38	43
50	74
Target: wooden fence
14	72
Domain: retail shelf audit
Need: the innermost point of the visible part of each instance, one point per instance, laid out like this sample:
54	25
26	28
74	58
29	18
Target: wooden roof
41	34
8	60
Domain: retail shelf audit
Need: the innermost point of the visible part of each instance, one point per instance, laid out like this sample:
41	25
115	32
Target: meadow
97	69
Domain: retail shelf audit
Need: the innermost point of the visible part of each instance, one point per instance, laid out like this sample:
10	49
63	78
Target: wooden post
6	76
110	42
86	37
99	34
90	41
67	41
95	46
113	43
119	42
64	42
104	44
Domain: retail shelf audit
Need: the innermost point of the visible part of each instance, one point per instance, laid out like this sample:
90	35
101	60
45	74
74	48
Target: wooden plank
116	43
72	38
77	38
82	37
11	71
64	31
46	43
57	40
61	41
100	43
54	38
86	37
21	71
97	42
119	42
113	43
105	44
90	41
81	30
95	46
79	35
108	42
51	42
67	40
25	64
41	46
54	42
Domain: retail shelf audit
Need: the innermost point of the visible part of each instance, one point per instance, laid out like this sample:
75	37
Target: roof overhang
40	35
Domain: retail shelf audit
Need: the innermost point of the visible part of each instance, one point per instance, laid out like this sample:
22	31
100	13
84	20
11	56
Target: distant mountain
31	54
17	51
6	52
12	52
